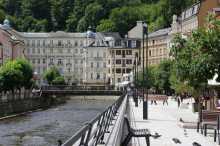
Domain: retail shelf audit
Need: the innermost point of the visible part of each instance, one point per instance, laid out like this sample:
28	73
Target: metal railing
76	88
93	132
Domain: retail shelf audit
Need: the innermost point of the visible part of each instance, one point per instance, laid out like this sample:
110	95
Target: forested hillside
77	15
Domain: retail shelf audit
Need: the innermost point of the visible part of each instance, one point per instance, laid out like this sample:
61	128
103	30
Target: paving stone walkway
165	121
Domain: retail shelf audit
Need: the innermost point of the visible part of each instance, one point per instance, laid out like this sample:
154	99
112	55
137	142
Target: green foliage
106	25
59	81
15	75
157	77
51	74
27	73
77	15
197	57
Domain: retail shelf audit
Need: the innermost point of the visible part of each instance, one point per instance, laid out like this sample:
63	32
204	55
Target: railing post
88	134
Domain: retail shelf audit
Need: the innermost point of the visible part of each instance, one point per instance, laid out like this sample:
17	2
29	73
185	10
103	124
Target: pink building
10	46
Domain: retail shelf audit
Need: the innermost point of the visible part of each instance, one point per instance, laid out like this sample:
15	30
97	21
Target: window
76	44
81	43
76	61
51	50
51	60
97	76
38	50
44	51
91	54
97	64
33	43
81	61
59	43
43	42
60	62
81	51
123	70
150	53
38	43
128	61
91	76
104	76
118	61
153	42
69	70
118	52
104	65
28	43
76	51
97	54
128	70
91	64
44	60
128	52
113	52
51	42
38	61
119	80
33	61
118	70
28	51
133	44
33	50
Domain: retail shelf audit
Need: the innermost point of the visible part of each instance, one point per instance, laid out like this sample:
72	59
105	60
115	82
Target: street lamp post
145	99
136	65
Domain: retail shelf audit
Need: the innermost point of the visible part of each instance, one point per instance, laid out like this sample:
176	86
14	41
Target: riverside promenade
165	121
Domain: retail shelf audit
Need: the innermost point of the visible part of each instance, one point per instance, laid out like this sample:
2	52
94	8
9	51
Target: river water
44	128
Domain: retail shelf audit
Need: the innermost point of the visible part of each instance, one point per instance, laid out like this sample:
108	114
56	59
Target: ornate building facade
10	46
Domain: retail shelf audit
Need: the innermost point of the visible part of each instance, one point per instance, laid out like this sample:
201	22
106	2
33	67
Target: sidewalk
164	120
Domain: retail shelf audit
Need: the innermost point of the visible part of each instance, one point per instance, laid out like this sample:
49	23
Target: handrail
72	87
93	132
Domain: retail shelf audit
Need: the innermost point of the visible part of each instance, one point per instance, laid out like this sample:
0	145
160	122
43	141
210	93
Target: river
44	128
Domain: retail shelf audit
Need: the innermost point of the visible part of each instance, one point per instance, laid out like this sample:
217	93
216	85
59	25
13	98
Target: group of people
155	98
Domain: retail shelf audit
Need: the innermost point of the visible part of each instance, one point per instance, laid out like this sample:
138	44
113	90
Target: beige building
158	46
194	17
123	59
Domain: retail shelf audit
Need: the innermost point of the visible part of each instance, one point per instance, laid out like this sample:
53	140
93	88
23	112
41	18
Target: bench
208	120
137	133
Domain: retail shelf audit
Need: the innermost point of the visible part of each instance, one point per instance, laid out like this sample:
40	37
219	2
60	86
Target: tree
164	73
51	75
93	14
59	81
71	23
27	72
106	25
11	77
197	57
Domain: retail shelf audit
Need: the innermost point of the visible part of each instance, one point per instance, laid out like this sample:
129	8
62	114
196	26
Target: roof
51	34
115	35
160	32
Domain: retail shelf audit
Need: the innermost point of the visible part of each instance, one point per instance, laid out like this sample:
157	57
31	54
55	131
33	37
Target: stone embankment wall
18	106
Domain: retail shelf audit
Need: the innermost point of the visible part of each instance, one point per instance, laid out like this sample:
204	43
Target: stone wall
24	105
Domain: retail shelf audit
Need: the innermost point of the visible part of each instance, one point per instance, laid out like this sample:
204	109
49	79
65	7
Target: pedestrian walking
165	101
